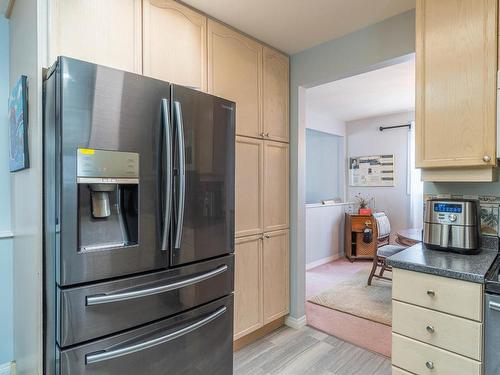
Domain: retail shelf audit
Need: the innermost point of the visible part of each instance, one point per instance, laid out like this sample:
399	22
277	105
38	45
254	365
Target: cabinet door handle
429	365
431	293
430	329
486	158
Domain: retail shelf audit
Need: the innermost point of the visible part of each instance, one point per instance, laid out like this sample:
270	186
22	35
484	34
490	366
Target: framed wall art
18	126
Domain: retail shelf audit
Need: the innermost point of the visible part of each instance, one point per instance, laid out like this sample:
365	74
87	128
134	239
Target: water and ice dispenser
108	199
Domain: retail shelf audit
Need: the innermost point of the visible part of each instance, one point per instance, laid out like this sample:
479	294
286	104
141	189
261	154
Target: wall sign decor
18	126
374	170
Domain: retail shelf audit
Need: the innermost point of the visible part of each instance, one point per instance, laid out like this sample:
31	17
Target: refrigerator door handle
167	155
118	297
181	174
104	355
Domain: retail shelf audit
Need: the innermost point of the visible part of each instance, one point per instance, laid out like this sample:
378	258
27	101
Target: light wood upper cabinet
103	32
275	95
175	48
235	73
275	275
456	65
248	285
249	186
276	186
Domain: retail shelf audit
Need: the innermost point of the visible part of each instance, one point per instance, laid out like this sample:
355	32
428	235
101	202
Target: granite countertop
441	263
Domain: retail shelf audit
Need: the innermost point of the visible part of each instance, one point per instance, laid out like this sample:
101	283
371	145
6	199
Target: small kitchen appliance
452	225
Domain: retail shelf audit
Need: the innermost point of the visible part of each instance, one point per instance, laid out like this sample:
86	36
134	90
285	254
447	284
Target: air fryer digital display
448	207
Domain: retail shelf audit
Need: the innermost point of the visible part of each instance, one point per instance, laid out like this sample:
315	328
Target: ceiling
295	25
376	93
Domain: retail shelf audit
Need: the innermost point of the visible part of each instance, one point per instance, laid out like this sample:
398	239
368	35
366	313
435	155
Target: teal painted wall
6	318
323	166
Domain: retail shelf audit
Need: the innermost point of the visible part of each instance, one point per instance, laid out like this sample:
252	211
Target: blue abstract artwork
18	126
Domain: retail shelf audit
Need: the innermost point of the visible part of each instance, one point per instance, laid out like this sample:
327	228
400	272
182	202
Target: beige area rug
354	297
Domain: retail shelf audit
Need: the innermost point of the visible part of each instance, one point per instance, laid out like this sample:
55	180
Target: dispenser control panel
107	166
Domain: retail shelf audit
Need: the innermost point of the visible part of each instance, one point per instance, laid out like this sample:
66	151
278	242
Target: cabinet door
275	95
103	32
249	186
276	275
456	66
275	186
247	285
175	43
235	73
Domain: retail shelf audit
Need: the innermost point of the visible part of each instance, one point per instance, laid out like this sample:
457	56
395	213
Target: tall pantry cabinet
256	78
167	40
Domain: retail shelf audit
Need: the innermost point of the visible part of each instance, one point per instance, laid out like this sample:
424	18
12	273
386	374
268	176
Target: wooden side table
354	246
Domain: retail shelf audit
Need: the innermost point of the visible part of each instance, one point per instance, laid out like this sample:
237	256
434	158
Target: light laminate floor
307	352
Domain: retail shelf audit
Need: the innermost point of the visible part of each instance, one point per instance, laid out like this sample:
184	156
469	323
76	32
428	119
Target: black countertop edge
471	268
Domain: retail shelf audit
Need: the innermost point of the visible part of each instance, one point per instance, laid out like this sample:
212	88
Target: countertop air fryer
452	225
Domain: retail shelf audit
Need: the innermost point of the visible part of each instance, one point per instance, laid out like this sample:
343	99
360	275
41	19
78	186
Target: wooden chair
384	248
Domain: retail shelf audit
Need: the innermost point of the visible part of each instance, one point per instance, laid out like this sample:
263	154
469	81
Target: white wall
324	123
27	34
324	233
6	289
365	138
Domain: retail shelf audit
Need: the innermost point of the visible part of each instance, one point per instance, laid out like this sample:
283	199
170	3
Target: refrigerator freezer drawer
196	342
89	312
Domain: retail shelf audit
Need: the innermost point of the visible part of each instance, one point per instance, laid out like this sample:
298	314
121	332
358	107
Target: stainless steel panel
468	216
455	237
89	312
492	334
104	163
204	176
101	108
198	342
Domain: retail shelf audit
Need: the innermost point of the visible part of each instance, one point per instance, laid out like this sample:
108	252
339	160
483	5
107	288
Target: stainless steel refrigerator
139	225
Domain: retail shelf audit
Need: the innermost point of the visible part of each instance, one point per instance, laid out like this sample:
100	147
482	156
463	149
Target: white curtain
415	187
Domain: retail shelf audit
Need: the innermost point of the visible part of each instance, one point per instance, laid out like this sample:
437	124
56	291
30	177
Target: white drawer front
398	371
449	332
451	296
422	359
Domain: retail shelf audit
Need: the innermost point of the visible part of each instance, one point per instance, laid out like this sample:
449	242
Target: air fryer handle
445	235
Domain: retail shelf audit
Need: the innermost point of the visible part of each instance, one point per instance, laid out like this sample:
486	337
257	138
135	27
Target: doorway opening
352	163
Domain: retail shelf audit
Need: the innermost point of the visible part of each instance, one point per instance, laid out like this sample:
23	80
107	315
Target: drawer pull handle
494	306
431	293
108	298
429	365
430	329
106	355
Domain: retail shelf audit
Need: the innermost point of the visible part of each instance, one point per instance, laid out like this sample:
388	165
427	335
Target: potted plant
363	203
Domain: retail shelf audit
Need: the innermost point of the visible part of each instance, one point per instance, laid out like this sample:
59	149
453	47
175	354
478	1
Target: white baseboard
322	261
295	323
7	369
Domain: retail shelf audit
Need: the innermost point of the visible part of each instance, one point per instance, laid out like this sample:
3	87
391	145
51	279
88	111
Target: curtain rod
382	128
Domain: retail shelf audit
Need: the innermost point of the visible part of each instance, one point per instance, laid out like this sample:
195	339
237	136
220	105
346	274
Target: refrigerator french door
202	224
143	170
105	128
